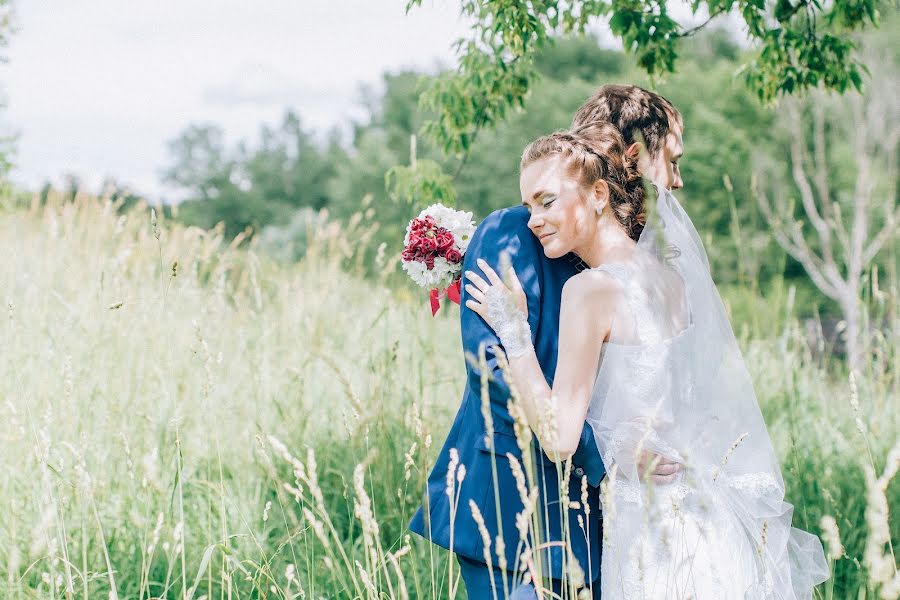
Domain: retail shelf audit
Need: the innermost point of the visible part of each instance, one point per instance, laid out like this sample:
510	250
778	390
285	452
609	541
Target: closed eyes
547	201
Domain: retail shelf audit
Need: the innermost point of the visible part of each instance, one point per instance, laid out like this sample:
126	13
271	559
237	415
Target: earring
599	209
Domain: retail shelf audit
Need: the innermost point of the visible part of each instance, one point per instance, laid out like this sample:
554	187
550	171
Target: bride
647	356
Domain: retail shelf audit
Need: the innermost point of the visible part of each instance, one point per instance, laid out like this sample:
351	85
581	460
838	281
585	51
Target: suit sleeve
587	456
497	234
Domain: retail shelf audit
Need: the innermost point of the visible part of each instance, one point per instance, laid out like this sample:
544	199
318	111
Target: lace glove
509	322
504	308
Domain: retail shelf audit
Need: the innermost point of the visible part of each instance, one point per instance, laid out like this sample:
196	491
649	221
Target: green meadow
182	416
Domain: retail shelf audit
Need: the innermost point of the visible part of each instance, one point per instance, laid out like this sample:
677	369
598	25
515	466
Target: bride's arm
587	302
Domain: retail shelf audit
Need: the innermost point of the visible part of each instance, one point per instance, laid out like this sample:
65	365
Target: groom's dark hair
634	111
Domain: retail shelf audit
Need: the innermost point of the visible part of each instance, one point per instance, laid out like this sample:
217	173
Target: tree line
737	150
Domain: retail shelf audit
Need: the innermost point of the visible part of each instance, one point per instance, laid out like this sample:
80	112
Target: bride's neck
610	244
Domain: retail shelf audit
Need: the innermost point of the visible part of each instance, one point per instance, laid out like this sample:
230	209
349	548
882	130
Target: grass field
182	417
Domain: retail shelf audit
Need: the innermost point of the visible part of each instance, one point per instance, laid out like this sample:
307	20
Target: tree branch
830	212
888	230
891	208
823	229
791	240
862	193
693	30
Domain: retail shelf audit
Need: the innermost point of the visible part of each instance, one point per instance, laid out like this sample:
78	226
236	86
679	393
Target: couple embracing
593	328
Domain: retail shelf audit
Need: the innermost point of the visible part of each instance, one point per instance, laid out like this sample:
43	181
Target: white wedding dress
672	382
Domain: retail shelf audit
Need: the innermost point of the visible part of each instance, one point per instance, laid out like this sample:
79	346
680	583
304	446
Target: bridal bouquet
434	246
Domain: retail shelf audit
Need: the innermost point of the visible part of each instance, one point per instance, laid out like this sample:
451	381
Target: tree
199	164
847	192
252	185
288	166
799	46
723	130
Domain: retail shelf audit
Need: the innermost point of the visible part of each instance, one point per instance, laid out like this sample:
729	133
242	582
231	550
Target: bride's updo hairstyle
597	151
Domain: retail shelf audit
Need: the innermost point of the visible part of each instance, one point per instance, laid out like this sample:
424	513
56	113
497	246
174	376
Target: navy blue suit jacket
507	231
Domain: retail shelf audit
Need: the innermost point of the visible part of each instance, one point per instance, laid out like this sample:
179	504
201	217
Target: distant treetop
799	45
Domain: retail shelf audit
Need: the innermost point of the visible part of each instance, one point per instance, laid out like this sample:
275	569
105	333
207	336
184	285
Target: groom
449	521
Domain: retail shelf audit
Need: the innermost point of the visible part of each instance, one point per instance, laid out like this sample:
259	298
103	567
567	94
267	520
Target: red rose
453	255
429	244
408	255
429	262
445	240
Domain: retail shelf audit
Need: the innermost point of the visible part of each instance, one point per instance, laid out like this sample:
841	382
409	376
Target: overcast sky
97	87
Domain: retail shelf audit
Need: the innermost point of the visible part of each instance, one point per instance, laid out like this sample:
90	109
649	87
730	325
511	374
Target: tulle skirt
673	543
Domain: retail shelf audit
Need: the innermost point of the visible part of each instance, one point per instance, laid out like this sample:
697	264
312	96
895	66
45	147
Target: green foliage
803	47
729	136
825	60
467	103
496	67
251	186
421	183
648	31
580	58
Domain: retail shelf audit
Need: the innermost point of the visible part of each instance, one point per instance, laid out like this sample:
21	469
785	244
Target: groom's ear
634	150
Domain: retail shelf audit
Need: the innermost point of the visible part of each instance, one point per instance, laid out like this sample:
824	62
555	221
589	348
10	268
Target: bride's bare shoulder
592	286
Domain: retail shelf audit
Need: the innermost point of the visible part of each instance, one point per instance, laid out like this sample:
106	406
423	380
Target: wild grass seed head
832	536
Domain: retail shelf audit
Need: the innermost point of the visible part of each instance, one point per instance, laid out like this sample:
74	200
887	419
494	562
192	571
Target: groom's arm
502	231
587	457
506	231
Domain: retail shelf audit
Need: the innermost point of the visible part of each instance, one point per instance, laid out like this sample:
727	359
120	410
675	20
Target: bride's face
563	218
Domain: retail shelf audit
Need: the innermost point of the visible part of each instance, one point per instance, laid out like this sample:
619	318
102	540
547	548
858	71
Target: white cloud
263	85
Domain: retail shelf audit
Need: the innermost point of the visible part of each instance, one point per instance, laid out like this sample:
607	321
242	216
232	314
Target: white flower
443	273
458	222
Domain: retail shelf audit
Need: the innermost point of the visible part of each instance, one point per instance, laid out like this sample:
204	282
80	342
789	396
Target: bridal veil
672	382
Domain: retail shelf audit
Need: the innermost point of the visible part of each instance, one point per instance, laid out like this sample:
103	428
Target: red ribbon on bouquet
452	293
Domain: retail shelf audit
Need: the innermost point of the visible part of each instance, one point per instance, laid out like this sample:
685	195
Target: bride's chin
551	252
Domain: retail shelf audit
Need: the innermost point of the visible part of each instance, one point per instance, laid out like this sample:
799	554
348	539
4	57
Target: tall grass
182	416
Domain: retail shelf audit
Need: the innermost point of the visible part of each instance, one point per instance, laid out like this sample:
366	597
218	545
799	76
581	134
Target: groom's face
662	167
561	218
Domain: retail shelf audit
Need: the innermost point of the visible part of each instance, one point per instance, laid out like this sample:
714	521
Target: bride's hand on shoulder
496	299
